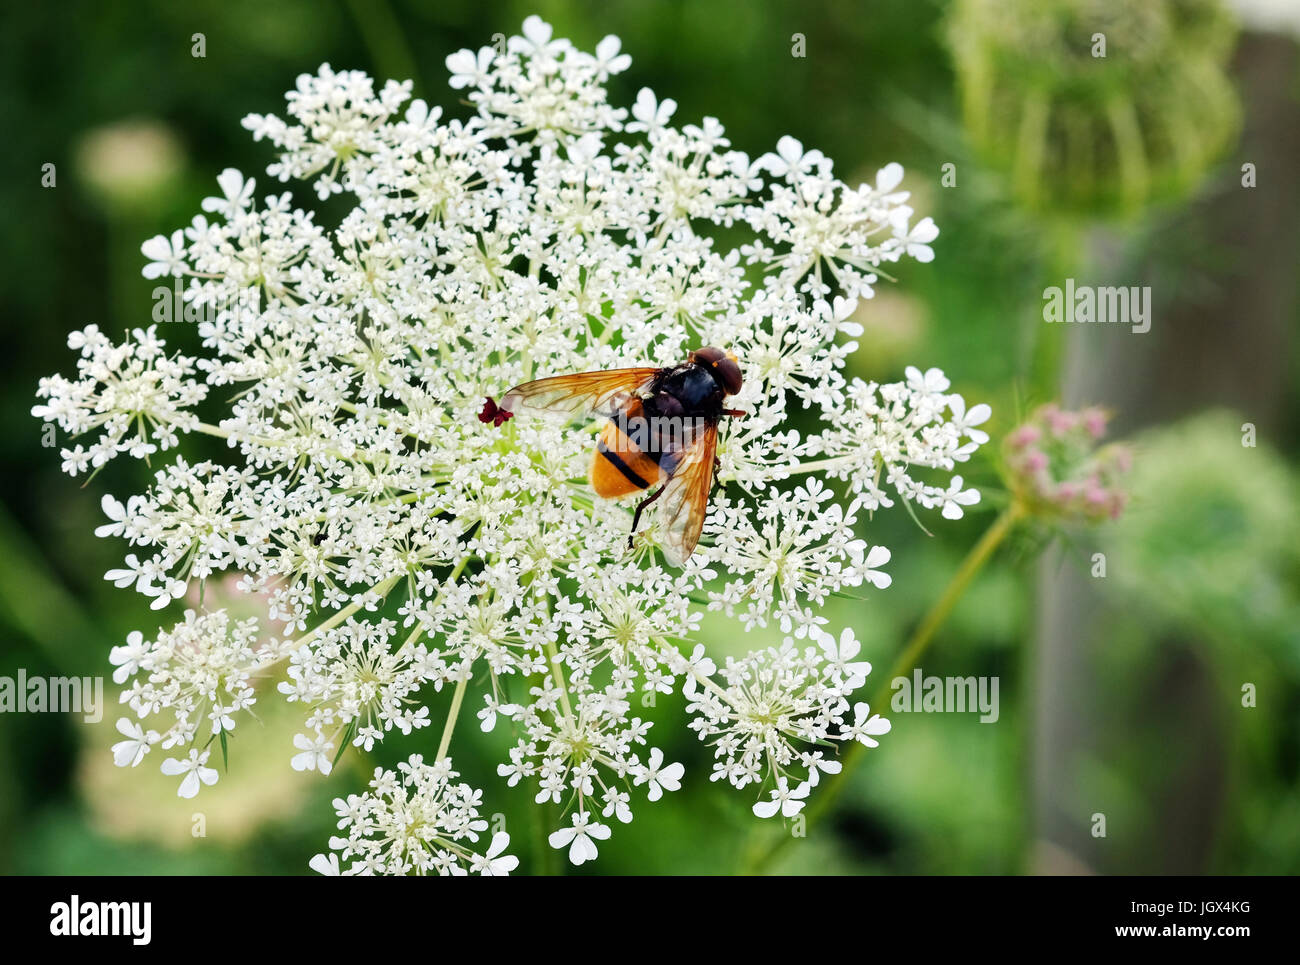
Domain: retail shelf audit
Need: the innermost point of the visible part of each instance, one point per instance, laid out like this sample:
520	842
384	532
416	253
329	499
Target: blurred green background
1120	696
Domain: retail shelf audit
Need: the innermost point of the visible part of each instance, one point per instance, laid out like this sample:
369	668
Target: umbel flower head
406	548
1058	471
1096	107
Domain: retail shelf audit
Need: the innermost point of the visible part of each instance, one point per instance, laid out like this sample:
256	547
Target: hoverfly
662	429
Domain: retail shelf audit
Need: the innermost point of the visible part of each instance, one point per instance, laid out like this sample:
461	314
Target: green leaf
347	739
907	503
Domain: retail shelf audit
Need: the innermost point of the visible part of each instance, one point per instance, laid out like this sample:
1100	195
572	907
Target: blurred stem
543	853
35	602
1064	258
1134	174
1031	144
907	661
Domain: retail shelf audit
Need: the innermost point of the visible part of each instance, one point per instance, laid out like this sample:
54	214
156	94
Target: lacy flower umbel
404	547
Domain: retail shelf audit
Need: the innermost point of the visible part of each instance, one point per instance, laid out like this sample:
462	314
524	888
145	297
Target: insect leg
636	517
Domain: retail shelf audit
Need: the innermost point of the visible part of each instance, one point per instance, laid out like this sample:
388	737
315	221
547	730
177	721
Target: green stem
974	562
1042	346
220	433
821	465
907	660
456	700
557	674
461	685
380	589
540	820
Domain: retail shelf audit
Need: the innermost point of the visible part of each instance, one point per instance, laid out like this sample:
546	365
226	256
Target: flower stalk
918	643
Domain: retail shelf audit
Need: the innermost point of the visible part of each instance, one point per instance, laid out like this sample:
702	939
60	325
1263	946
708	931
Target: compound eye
708	355
728	373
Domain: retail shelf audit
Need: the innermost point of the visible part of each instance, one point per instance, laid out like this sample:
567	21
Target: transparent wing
604	393
685	501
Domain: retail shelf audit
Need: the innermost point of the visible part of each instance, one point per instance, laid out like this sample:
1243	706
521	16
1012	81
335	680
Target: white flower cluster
414	822
136	397
776	703
404	547
201	672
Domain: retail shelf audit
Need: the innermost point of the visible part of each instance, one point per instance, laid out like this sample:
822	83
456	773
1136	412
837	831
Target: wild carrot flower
1057	470
405	547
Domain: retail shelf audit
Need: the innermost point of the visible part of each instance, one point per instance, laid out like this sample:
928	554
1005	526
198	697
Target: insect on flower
401	552
662	428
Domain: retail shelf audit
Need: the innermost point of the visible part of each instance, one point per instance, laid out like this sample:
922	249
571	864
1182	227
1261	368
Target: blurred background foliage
1127	167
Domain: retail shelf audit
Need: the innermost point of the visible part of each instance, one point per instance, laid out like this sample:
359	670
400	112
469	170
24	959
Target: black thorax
680	403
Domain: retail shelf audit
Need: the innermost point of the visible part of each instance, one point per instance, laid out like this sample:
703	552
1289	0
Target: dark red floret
493	413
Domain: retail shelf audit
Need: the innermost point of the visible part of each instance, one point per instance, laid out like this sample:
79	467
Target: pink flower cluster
1057	470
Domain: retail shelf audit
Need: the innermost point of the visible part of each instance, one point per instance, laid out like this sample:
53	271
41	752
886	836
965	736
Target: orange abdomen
618	467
